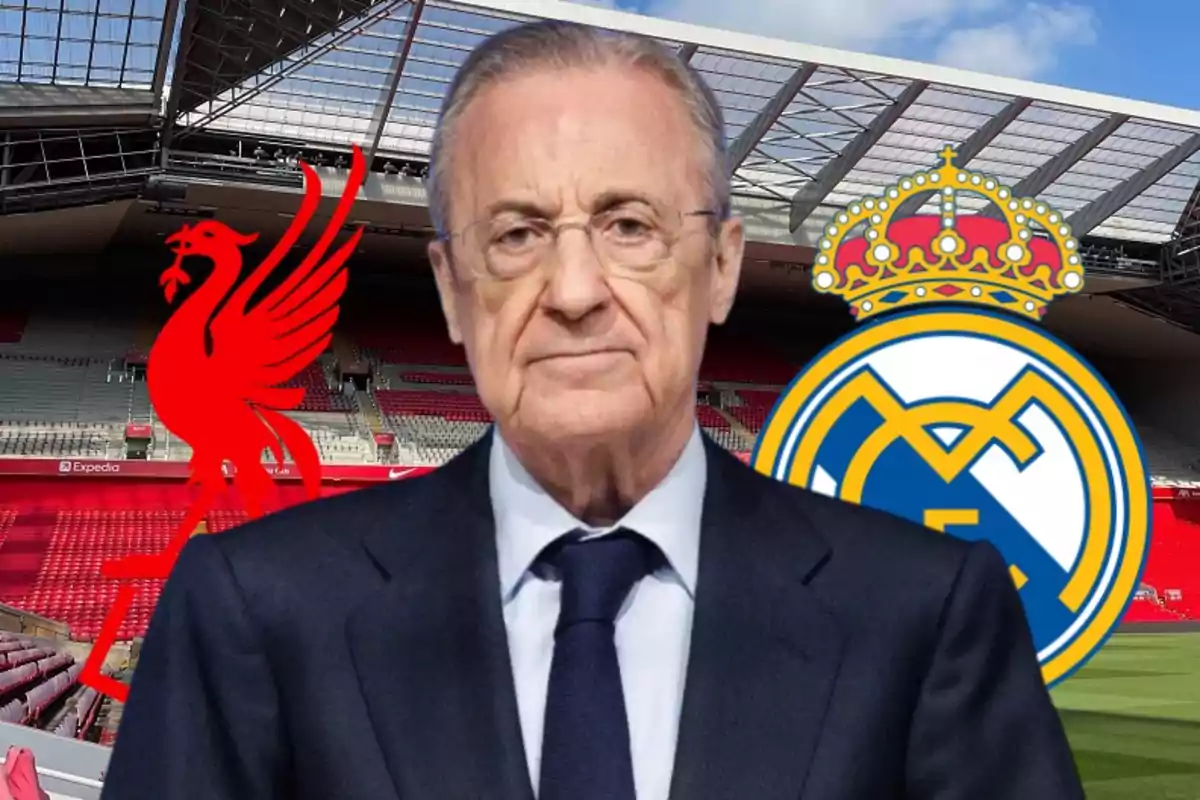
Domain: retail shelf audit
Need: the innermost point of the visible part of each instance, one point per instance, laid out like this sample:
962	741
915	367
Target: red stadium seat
451	405
756	406
744	360
67	585
447	378
318	396
1173	565
12	326
419	340
1150	610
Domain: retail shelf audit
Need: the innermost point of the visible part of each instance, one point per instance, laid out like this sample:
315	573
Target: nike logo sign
400	473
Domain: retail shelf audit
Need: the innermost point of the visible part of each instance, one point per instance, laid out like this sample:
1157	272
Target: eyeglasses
631	238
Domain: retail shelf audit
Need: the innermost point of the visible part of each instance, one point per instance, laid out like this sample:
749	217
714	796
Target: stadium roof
69	61
810	128
91	43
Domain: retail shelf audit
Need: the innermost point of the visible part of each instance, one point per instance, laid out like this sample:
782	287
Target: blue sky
1143	49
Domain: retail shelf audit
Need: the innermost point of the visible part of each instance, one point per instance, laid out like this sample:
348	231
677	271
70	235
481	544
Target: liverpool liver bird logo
217	372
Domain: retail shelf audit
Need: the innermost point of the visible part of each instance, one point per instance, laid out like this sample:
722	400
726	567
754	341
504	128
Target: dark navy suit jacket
354	649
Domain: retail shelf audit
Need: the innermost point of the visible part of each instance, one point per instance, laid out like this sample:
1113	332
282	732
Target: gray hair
552	44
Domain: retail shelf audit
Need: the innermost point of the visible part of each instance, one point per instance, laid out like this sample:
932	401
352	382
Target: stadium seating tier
71	394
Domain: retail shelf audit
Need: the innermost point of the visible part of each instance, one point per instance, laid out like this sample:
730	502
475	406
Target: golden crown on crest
1018	261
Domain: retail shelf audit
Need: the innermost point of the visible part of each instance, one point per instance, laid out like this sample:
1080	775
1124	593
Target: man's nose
577	285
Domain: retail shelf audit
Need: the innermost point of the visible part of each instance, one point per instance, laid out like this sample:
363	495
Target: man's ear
731	246
447	285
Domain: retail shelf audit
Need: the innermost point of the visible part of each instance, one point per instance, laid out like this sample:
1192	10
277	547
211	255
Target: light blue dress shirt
653	629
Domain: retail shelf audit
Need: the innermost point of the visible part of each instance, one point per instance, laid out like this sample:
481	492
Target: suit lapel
764	653
430	646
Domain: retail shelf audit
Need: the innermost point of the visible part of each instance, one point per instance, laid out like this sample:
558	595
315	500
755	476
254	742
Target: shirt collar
528	518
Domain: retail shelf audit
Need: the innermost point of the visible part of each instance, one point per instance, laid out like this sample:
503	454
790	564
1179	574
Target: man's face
576	349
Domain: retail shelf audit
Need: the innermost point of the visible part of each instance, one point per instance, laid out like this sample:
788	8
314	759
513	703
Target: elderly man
594	602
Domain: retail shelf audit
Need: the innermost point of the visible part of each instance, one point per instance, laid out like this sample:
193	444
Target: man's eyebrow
605	201
524	208
614	198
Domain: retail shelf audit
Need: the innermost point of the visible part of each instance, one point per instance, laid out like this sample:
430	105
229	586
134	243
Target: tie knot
598	573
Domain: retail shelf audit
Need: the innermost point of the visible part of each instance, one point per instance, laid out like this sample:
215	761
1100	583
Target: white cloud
1001	36
854	24
1023	50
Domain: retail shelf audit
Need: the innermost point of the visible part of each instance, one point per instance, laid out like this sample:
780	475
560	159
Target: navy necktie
585	743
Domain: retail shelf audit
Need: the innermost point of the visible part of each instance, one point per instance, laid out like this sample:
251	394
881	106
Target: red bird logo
218	369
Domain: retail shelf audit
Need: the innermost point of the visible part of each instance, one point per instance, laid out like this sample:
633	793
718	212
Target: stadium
124	119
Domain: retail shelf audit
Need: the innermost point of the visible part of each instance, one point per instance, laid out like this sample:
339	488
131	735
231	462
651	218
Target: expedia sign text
89	467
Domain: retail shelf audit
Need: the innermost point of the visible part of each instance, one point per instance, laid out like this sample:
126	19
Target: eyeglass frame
557	228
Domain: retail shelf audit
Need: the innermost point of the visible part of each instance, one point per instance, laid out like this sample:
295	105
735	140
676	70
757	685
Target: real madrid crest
952	408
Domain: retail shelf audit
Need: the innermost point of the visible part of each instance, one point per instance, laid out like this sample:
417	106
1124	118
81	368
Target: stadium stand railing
39	688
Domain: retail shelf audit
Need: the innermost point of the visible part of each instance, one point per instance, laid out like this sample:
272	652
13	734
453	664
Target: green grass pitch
1133	717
